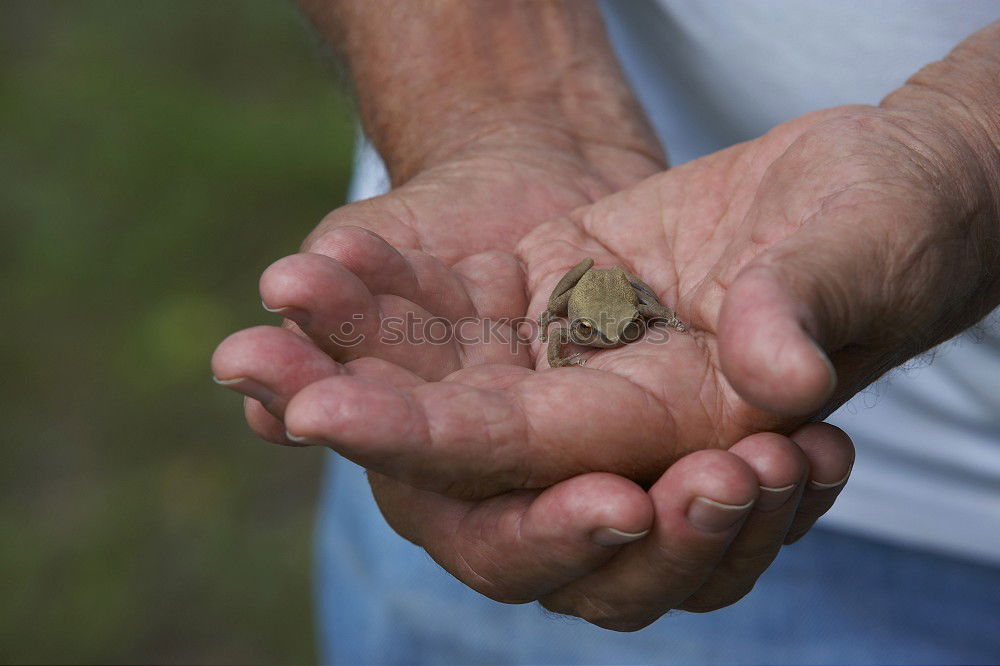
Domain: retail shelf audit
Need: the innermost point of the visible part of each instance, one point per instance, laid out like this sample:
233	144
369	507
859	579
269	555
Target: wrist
954	101
434	79
947	112
452	126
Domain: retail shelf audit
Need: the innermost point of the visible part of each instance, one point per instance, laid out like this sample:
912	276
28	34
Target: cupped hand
703	533
833	236
537	543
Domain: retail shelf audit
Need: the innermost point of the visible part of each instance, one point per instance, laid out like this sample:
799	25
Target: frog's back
600	285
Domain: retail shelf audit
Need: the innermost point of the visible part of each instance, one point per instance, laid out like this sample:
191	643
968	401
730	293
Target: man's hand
826	186
524	545
713	530
486	193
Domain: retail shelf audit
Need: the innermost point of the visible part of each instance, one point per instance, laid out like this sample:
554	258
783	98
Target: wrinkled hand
523	545
830	228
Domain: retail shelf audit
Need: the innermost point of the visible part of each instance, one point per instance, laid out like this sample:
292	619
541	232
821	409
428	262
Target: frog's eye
583	325
584	329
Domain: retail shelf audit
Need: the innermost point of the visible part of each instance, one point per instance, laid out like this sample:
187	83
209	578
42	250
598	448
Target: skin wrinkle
669	421
723	229
775	260
471	576
929	162
590	608
669	242
901	271
529	435
556	133
531	185
501	588
970	112
581	221
471	285
467	307
540	276
464	284
506	446
589	223
722	409
420	426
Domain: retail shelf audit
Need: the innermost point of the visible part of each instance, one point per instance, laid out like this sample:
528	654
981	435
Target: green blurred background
155	157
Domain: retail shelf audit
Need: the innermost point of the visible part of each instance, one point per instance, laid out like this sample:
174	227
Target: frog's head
612	326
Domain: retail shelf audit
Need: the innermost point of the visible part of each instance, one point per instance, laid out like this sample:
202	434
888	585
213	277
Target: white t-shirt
711	74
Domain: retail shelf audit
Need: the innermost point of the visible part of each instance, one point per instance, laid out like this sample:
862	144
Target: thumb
519	546
870	286
769	342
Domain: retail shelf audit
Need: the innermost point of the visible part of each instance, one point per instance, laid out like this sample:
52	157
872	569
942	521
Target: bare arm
431	77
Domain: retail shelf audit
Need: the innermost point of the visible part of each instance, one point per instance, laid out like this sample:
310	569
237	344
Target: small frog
606	307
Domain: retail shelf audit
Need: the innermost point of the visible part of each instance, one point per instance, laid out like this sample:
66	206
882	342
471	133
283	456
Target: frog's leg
556	359
559	300
650	306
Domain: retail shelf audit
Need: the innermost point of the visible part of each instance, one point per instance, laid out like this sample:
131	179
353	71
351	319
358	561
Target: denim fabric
831	598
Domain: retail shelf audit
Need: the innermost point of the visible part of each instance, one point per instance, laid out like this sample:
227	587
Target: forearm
960	95
432	76
955	107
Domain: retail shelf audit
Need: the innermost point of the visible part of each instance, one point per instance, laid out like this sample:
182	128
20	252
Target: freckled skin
606	308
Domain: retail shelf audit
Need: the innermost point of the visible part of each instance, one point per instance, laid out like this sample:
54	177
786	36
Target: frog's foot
544	320
656	314
555	349
572	359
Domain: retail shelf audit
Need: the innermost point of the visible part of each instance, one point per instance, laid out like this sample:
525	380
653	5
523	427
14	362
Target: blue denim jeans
831	598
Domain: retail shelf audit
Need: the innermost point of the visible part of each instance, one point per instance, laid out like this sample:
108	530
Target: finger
781	470
495	283
338	312
520	545
700	502
831	455
264	424
768	349
411	274
270	365
434	436
487	429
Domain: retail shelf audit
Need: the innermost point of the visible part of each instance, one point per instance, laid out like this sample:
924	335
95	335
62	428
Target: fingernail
711	516
299	316
829	364
816	485
247	387
609	536
305	441
770	499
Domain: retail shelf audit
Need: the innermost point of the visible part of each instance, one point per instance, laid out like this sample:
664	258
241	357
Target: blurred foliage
155	157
